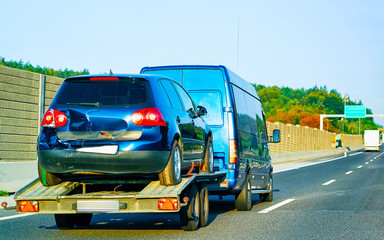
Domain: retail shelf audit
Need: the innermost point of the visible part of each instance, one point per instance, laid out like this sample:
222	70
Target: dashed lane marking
267	210
17	216
329	182
347	173
360	166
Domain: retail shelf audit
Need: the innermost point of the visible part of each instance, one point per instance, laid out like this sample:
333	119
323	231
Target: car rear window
125	92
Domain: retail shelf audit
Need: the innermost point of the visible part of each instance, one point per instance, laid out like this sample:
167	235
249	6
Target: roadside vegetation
304	106
3	194
42	70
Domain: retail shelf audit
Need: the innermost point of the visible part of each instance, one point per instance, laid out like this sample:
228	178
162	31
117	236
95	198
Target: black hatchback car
123	127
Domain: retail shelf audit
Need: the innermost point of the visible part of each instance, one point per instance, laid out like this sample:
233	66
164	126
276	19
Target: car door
182	118
198	125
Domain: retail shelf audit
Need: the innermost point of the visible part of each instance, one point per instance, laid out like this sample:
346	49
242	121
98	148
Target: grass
3	193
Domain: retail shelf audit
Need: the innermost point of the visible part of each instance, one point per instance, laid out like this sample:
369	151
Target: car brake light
104	79
168	204
54	118
233	158
148	117
28	206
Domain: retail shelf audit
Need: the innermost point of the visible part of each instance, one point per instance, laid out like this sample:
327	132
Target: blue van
237	121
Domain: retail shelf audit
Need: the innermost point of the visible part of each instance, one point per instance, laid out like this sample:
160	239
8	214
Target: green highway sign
355	111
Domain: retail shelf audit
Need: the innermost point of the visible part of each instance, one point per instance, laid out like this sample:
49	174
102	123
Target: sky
293	43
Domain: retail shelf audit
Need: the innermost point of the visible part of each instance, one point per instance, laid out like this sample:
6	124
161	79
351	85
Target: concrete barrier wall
24	96
296	138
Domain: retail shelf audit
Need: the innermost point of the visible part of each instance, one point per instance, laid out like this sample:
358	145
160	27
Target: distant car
123	127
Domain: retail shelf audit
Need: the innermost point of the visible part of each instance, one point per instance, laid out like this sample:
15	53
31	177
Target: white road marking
17	216
353	154
371	160
347	173
329	182
366	162
267	210
360	166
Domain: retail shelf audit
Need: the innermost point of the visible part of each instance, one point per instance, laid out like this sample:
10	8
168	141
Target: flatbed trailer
73	203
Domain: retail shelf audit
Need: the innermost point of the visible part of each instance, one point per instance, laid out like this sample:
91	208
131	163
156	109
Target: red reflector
4	204
28	206
104	79
168	204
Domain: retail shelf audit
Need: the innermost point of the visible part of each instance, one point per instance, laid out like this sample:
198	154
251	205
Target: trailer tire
208	158
171	175
65	221
83	219
268	197
190	214
204	205
243	200
47	178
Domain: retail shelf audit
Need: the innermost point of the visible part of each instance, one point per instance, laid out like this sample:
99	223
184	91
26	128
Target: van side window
187	101
172	95
246	112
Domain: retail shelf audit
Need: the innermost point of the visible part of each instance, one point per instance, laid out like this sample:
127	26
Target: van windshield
130	92
211	100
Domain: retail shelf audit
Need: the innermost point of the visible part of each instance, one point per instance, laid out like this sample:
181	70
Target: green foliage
301	106
3	194
42	70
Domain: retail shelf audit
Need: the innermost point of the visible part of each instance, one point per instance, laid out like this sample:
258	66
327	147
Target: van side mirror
276	136
201	111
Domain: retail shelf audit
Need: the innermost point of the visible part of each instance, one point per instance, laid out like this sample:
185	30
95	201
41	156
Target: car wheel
208	158
190	214
83	219
268	197
243	200
46	178
171	175
65	221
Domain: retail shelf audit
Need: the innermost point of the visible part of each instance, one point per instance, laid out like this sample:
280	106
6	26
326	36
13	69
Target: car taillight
54	118
148	117
233	158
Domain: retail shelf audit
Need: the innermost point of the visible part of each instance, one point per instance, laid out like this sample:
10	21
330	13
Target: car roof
149	77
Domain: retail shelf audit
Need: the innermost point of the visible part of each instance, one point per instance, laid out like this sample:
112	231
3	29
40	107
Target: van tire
46	178
243	200
190	214
171	175
83	219
204	205
268	197
208	158
65	221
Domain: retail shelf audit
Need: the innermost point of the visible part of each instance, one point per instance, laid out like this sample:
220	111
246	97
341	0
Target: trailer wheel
83	219
208	158
243	200
190	214
46	178
204	205
65	221
268	197
171	175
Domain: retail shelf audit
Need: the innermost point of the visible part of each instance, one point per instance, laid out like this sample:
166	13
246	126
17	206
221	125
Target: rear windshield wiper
96	104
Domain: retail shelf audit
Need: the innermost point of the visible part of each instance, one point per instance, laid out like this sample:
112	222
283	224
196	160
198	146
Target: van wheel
268	197
243	200
46	178
204	205
171	175
83	219
208	158
190	214
65	221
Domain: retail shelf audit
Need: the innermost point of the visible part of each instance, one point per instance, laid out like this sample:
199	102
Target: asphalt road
339	199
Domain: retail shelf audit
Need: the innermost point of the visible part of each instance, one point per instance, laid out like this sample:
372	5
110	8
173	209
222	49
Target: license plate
110	149
98	206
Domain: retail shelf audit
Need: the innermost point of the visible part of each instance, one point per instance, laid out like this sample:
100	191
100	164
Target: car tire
171	175
243	200
46	178
190	214
65	221
208	158
83	219
204	205
268	197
